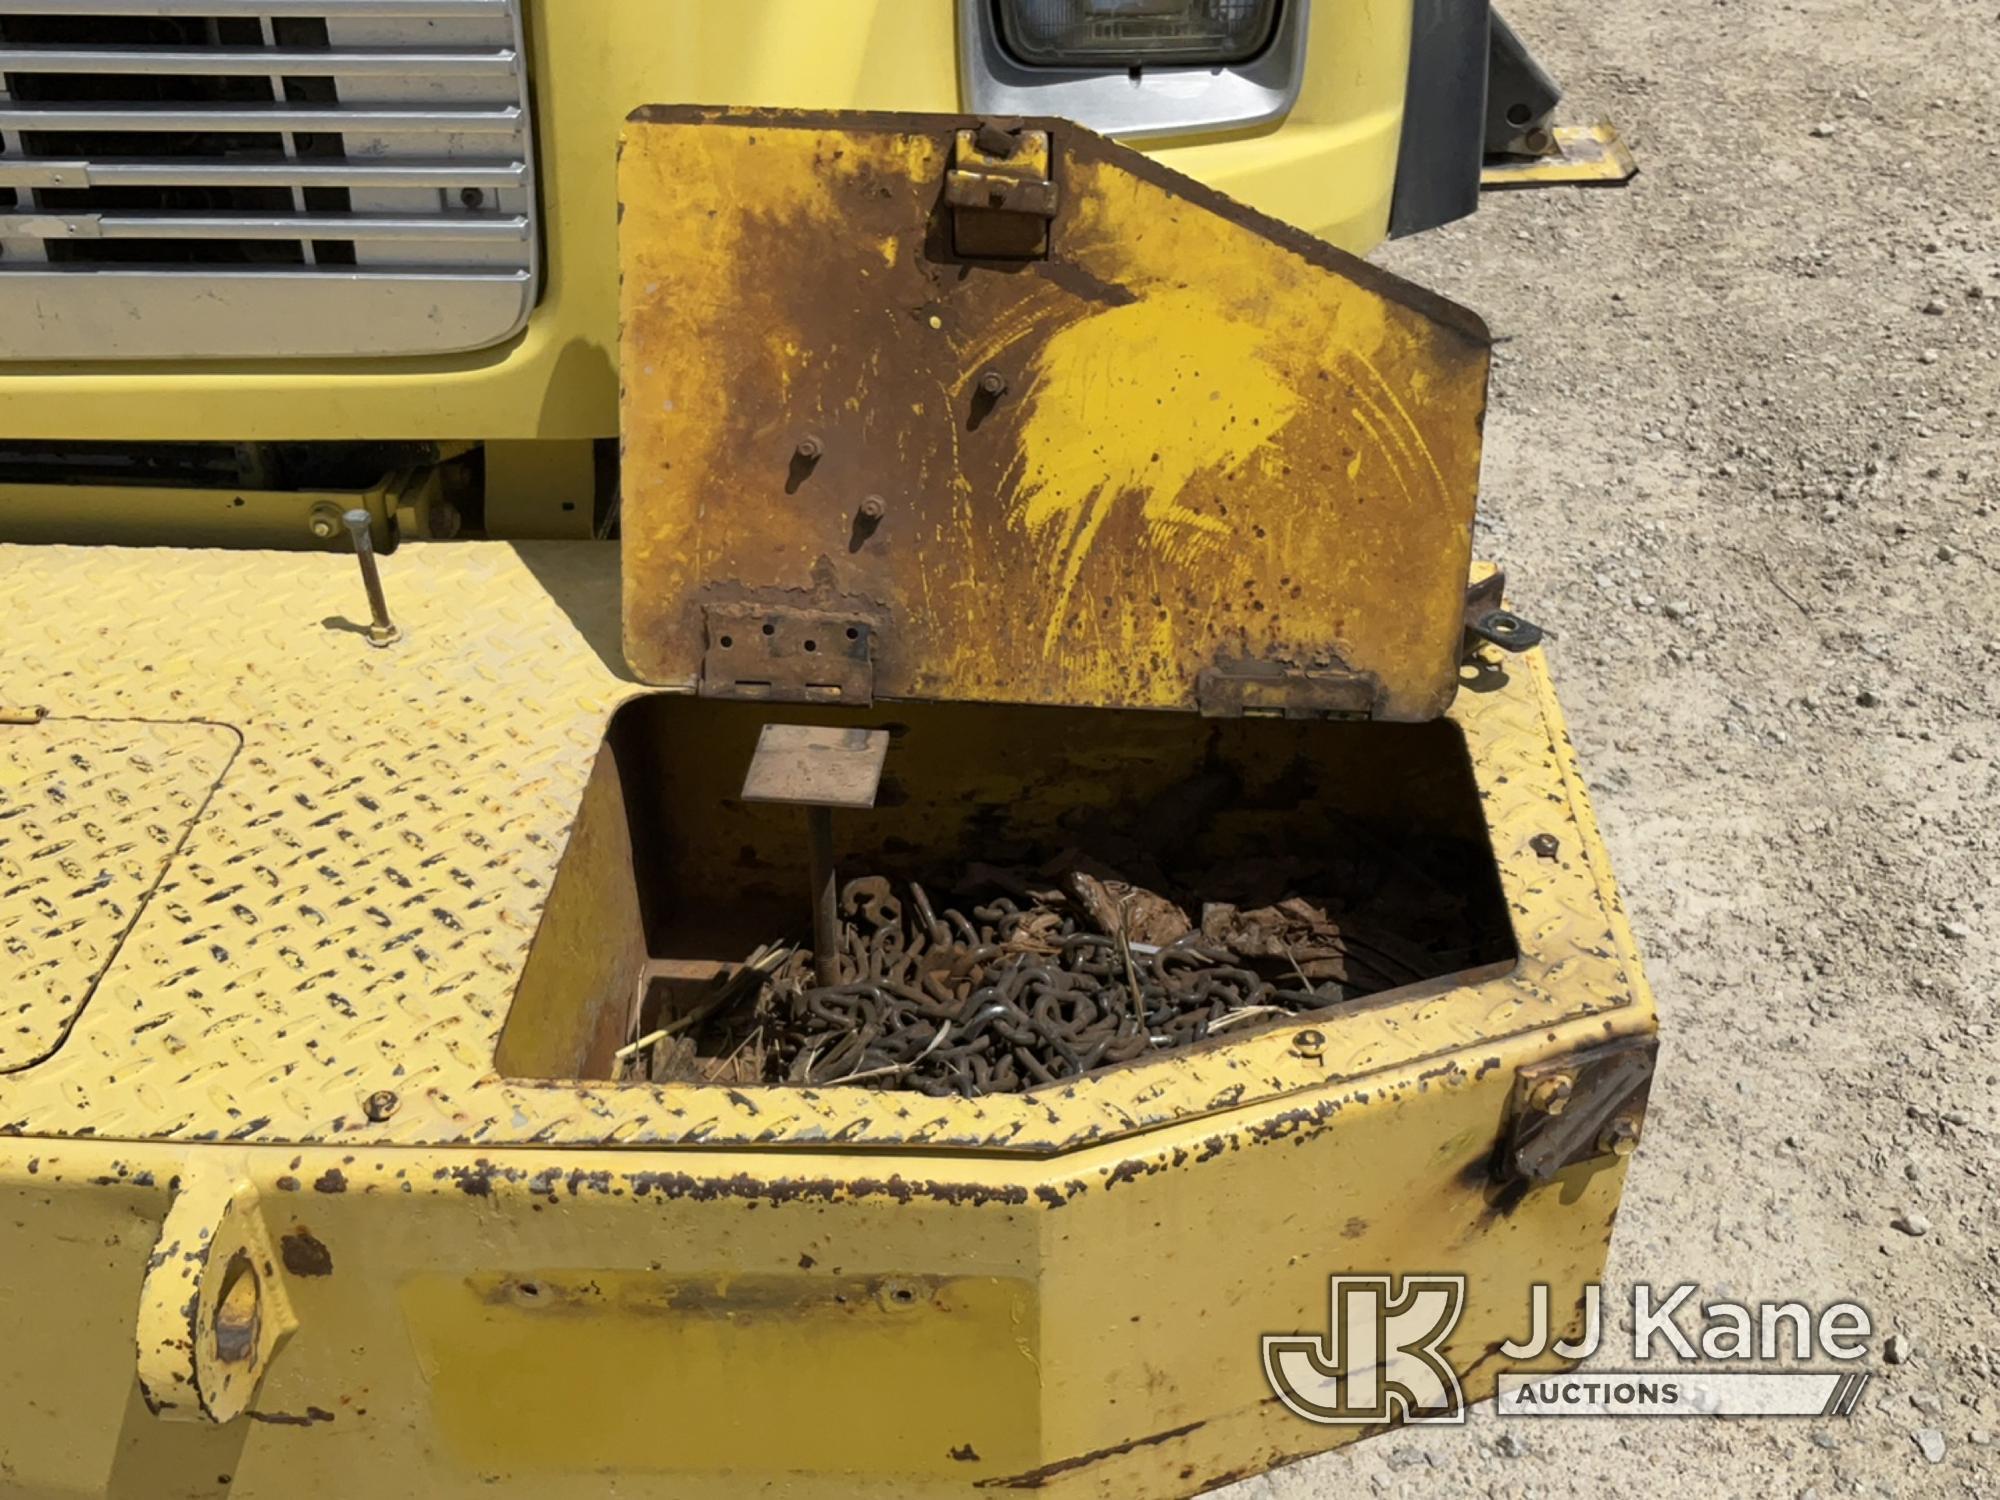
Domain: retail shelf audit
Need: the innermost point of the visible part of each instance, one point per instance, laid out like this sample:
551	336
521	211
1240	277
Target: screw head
472	197
380	1105
1551	1096
1620	1137
993	383
810	449
874	508
1546	845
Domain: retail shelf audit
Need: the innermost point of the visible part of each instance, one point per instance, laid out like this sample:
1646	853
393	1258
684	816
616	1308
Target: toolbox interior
669	876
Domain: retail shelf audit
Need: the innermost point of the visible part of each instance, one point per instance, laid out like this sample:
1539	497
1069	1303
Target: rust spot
332	1180
817	1189
964	1454
1354	1228
312	1415
1034	1479
304	1254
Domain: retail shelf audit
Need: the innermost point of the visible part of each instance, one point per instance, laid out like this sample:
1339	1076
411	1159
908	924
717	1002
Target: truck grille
297	178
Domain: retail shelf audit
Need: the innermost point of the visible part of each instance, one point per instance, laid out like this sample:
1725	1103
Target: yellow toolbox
320	1174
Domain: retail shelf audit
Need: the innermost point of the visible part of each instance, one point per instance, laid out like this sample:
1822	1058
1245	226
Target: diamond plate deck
351	910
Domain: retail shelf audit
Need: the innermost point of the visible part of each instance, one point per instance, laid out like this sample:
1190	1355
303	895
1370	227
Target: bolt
1551	1096
324	522
810	449
993	385
1309	1043
445	521
1620	1136
471	197
874	508
1547	845
380	1105
381	630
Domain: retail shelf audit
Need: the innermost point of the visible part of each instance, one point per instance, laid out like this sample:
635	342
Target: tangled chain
1005	999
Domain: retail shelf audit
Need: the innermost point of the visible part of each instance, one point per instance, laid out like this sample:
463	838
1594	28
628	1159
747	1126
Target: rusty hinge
22	713
1576	1108
1273	690
1000	191
1487	620
777	654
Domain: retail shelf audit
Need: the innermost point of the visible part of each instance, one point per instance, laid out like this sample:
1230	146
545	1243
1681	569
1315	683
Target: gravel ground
1744	461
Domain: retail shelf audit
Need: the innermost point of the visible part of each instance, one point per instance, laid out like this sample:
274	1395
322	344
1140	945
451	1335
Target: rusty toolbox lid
927	407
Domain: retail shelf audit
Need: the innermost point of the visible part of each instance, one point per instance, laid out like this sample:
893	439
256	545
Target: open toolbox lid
924	407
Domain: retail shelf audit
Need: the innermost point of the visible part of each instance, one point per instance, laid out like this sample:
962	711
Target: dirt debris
1743	456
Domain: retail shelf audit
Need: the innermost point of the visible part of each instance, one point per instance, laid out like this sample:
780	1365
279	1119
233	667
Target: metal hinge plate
1574	1109
1001	194
1272	690
774	654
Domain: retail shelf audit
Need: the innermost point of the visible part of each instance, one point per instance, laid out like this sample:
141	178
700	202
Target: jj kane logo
1382	1358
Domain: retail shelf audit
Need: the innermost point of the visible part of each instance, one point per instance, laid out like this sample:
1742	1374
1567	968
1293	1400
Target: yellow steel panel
354	911
671	1373
1330	169
90	815
1207	441
1104	1308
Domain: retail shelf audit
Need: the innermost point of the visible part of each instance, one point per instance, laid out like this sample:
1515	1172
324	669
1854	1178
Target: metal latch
1001	195
1577	1108
776	654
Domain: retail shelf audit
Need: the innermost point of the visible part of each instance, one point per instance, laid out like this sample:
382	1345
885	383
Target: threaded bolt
993	385
381	630
874	508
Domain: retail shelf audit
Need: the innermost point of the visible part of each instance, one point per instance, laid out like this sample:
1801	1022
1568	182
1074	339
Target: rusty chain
1000	1000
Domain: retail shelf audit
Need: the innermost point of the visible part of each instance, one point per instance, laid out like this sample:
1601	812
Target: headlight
1130	33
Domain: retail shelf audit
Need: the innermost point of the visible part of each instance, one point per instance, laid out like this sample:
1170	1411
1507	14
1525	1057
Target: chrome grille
263	178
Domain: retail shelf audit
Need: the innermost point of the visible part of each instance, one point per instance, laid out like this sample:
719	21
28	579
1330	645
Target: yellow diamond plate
352	910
